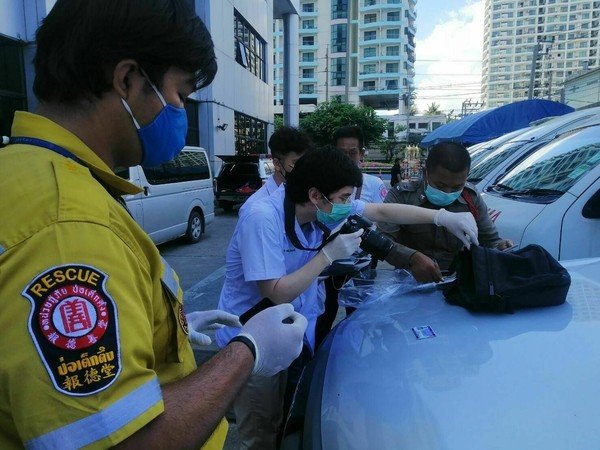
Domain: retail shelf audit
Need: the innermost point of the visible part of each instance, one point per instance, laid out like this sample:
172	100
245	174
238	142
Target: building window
338	71
393	16
308	89
308	24
12	83
391	68
308	40
391	85
339	9
308	73
393	33
370	18
193	132
249	47
370	35
393	50
338	37
308	7
250	135
308	57
369	52
370	68
368	85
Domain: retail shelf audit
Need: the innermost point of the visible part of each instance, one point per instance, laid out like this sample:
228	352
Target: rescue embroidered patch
74	326
383	191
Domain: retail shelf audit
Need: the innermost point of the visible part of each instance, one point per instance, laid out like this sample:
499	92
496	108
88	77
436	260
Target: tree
433	109
278	119
329	116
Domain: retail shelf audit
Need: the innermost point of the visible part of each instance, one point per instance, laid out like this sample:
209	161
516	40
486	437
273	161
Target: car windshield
484	165
555	168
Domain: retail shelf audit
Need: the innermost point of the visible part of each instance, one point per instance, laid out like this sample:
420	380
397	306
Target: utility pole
536	51
550	84
327	73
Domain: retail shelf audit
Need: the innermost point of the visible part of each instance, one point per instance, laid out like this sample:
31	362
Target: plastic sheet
378	285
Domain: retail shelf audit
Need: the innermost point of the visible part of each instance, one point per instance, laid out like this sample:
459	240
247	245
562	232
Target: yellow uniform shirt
91	315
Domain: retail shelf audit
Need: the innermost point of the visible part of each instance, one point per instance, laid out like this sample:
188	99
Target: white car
552	197
409	371
489	163
178	197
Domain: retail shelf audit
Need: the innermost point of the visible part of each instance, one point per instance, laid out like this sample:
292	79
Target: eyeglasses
343	201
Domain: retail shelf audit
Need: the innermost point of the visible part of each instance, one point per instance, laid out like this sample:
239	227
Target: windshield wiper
500	187
533	192
474	180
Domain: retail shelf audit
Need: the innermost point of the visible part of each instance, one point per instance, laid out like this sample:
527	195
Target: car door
134	203
580	234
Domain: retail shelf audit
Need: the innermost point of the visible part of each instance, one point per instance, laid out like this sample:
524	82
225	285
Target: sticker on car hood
423	332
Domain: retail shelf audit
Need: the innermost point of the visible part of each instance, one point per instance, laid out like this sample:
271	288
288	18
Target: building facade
361	50
233	115
561	36
582	90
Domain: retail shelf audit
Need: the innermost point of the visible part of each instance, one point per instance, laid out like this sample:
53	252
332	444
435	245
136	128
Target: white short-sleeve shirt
266	190
373	189
260	250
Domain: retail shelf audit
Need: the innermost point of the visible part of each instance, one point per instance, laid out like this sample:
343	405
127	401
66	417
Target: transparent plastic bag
372	285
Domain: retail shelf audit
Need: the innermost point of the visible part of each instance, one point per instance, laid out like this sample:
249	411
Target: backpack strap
466	195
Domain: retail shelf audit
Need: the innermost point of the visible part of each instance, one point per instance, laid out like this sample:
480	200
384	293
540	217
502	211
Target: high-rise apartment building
565	33
361	50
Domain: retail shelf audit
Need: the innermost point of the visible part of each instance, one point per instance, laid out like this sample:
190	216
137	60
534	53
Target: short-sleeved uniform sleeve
97	321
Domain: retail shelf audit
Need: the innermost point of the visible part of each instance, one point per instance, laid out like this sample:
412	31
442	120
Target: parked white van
552	198
178	197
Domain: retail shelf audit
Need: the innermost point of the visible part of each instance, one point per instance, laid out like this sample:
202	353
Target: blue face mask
441	198
339	212
164	137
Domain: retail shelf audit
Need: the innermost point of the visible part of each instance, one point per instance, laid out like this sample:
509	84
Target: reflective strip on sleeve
169	278
101	424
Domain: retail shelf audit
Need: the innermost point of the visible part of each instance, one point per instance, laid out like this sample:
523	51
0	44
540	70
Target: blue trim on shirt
101	424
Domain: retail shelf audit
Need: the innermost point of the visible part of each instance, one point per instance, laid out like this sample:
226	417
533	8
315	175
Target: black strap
289	212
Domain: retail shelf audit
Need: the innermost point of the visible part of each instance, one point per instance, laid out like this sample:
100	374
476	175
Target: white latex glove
342	246
461	225
276	344
208	320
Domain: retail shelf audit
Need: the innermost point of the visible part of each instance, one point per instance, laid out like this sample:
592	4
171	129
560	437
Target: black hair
451	156
349	132
80	42
326	169
289	139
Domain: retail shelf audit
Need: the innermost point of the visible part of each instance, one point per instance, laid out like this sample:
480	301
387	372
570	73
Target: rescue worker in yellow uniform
95	344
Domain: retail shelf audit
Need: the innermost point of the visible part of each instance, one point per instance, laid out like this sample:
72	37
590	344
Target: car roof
526	380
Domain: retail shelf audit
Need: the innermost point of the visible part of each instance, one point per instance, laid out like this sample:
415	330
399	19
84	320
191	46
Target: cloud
448	62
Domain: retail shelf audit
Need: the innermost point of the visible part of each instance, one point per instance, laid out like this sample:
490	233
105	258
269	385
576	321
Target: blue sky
449	46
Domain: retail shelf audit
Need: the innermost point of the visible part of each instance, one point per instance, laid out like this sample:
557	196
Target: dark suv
240	177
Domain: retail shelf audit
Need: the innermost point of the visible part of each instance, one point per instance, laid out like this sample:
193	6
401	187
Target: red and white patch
74	326
73	317
383	191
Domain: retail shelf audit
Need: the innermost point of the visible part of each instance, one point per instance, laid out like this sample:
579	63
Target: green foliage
433	109
329	116
278	121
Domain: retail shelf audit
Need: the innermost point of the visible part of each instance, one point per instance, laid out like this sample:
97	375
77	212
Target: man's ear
125	77
314	196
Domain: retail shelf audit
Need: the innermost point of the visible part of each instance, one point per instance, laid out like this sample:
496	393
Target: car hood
525	380
511	216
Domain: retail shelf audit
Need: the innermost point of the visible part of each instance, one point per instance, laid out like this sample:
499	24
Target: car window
239	170
556	166
483	166
269	168
187	166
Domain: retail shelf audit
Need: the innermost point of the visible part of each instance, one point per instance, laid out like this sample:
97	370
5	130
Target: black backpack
491	280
